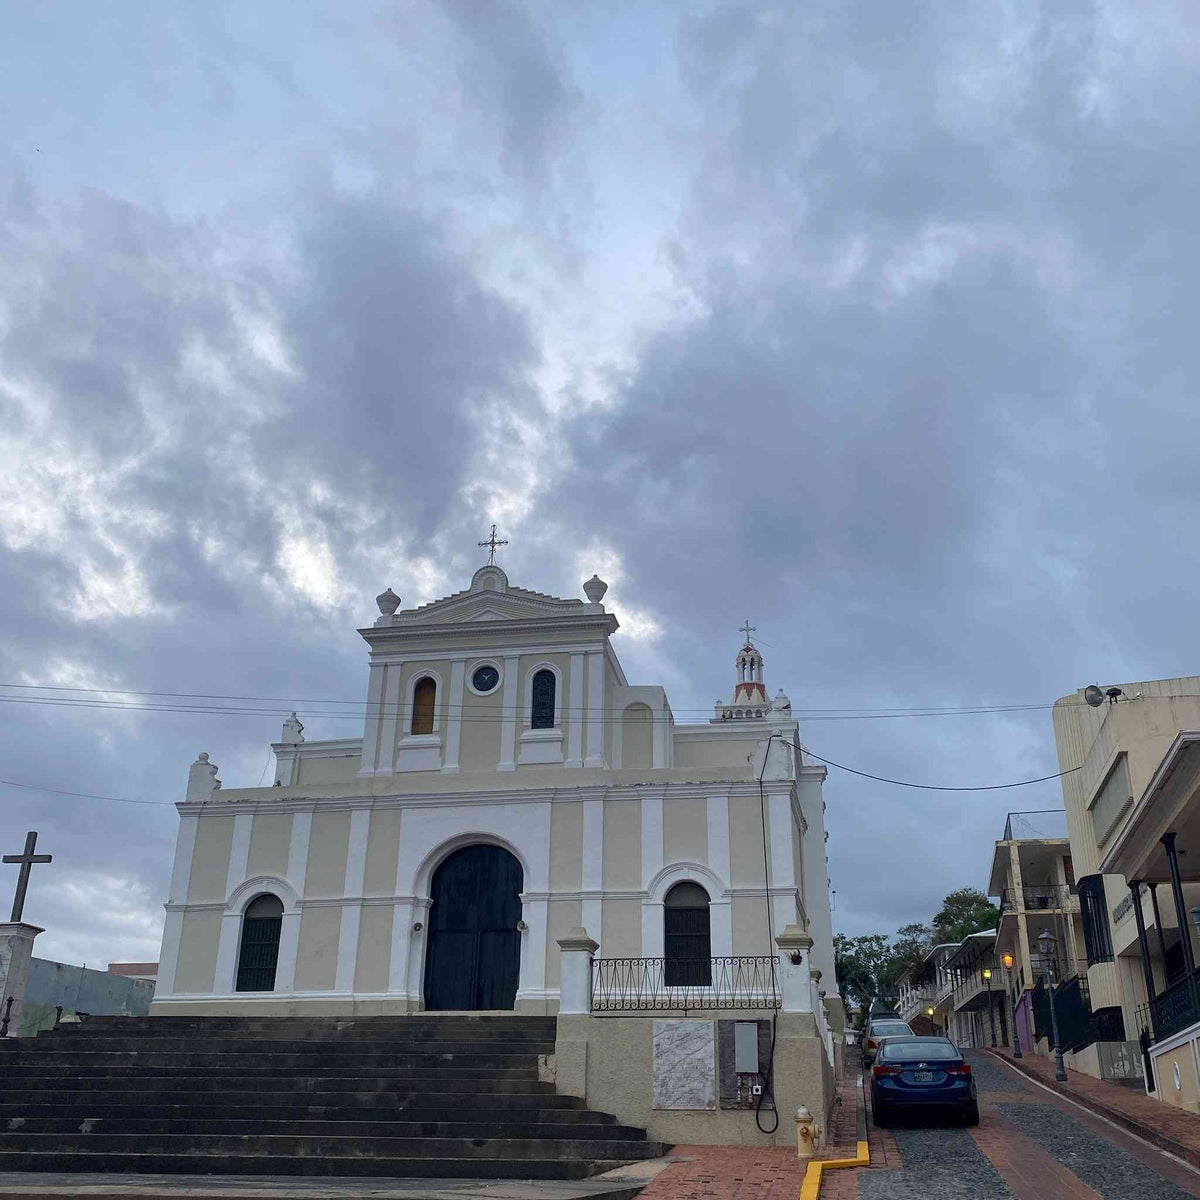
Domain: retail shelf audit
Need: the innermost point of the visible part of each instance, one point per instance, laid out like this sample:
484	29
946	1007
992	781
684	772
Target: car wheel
971	1115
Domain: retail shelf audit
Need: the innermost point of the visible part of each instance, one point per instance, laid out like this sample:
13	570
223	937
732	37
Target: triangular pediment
489	614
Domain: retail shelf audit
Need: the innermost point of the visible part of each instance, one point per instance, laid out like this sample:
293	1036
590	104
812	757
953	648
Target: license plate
922	1076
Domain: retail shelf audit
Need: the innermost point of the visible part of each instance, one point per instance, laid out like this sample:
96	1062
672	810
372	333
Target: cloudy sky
875	323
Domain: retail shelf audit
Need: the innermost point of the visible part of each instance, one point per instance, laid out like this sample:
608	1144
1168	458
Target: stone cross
26	860
492	543
748	629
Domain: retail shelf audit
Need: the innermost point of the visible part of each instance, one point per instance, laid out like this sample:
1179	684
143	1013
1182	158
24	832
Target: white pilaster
508	724
181	871
592	910
297	869
652	838
224	978
652	928
390	721
718	837
533	948
450	763
783	870
370	750
356	866
595	709
402	935
239	851
575	721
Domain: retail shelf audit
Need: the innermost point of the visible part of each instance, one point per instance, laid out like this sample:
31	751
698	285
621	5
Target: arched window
424	699
687	943
542	714
262	924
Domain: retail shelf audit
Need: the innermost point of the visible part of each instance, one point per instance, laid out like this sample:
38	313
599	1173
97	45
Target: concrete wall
79	990
610	1062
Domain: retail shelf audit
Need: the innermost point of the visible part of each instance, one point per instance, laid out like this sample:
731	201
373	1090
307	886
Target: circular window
485	678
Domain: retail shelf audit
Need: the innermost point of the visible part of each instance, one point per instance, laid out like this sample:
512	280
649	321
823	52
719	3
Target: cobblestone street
1030	1144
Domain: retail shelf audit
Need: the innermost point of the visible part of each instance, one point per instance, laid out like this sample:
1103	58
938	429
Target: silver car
877	1029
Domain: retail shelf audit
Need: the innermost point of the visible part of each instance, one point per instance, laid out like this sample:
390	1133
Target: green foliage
869	966
964	912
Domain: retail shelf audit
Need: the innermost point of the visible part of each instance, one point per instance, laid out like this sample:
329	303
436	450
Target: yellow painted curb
810	1189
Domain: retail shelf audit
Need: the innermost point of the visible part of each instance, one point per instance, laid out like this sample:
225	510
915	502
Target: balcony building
1127	789
978	985
1033	878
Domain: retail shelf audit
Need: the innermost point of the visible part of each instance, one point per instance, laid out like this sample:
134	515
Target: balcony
914	1001
1040	897
971	988
1176	1008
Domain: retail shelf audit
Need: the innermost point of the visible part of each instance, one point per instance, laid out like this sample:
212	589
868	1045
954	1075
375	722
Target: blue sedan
922	1074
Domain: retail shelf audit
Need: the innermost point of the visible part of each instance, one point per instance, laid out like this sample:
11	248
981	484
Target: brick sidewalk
1163	1125
761	1172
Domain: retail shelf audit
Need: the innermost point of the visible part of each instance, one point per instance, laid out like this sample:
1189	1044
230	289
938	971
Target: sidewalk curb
1148	1133
810	1188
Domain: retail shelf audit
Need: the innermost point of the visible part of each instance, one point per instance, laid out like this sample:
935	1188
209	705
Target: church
521	829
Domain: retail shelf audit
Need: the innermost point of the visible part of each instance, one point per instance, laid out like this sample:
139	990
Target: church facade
511	791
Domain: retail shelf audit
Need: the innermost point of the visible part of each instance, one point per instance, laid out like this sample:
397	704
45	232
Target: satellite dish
1093	695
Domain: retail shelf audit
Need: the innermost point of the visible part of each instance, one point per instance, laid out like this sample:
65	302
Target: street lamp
1048	946
987	983
1007	959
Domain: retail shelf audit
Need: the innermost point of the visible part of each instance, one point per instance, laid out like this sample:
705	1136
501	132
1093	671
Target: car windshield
925	1051
890	1029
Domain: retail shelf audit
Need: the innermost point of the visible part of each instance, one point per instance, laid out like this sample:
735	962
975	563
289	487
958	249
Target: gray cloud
873	325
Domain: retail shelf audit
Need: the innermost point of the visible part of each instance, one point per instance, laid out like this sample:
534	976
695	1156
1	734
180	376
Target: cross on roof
491	543
26	860
748	629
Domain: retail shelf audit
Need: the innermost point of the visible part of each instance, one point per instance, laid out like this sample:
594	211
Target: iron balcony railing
1040	898
1176	1008
662	984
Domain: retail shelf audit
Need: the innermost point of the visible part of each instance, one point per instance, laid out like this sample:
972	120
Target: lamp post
1048	946
987	983
1007	959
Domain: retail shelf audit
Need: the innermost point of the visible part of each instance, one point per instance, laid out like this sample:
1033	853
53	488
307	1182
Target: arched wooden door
473	957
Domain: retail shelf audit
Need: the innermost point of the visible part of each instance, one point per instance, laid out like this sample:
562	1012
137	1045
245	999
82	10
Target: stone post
16	949
575	972
795	981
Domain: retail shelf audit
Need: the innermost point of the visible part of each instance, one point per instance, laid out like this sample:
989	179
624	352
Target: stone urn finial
293	731
388	602
594	589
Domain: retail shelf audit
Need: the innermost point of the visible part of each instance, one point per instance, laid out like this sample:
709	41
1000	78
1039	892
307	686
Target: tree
963	913
869	966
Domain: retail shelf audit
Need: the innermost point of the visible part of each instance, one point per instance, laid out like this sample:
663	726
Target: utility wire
32	787
932	787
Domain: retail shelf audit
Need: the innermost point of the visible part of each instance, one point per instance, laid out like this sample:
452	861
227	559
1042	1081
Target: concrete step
293	1165
465	1126
406	1026
316	1065
136	1070
55	1041
542	1109
273	1145
271	1091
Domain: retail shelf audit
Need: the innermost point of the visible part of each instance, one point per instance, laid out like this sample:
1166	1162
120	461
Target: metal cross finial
26	860
492	543
748	629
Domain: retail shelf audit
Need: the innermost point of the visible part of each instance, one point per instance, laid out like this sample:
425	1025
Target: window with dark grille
424	698
1093	908
687	944
261	926
543	700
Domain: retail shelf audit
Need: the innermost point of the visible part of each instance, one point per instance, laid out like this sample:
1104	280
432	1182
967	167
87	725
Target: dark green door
473	959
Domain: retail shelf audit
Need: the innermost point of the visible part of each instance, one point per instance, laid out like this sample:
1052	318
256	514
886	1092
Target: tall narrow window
543	700
261	927
424	697
687	944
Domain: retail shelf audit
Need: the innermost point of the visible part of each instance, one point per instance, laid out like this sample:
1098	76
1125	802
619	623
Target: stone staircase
417	1096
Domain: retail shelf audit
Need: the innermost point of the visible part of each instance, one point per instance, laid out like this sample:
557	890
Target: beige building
1124	748
512	799
1033	878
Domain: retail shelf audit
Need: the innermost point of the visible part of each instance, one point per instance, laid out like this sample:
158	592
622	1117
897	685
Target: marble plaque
684	1065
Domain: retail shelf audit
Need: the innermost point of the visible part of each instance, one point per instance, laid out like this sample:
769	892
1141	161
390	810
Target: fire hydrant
806	1133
